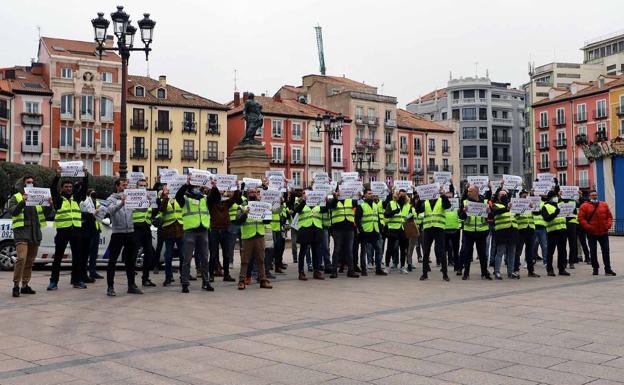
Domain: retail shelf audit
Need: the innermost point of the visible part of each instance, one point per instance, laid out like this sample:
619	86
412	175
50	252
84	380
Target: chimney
236	99
37	68
277	98
162	80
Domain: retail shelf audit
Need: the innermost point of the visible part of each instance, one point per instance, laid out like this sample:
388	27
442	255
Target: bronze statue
252	113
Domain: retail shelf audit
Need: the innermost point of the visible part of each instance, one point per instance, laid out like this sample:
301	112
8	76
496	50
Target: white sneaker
387	269
404	270
369	266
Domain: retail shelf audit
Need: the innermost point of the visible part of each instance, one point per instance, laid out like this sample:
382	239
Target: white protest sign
37	196
269	173
136	198
259	210
428	191
276	182
443	178
379	188
403	185
175	183
324	187
316	198
226	182
274	197
349	176
72	168
480	182
167	174
520	205
477	209
569	192
566	210
454	204
350	190
512	182
321	177
545	177
535	202
252	183
134	177
542	187
200	177
152	197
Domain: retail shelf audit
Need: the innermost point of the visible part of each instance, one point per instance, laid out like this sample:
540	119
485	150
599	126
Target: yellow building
172	128
616	108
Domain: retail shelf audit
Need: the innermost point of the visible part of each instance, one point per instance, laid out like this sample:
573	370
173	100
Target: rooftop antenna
235	83
319	46
39	31
476	69
381	88
450	75
487	73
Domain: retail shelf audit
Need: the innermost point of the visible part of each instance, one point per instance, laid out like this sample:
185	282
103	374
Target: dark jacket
31	231
220	209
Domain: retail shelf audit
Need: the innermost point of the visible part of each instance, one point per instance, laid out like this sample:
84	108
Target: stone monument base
248	160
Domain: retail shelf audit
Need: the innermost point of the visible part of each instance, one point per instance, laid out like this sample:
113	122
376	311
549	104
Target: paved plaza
372	330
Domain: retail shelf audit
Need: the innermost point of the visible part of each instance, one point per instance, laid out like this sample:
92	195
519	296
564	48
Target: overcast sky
409	47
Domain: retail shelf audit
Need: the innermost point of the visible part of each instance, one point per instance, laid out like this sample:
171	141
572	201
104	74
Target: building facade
490	119
171	128
86	105
607	51
290	137
25	116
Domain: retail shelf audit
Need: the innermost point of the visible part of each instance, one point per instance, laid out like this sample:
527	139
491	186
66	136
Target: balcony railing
32	148
139	124
581	139
582	161
560	143
502	121
189	154
579	118
4	144
601	136
390	123
446	150
67	115
297	160
403	169
164	125
372	121
213	128
419	171
418	150
404	149
314	137
189	126
502	158
359	120
447	167
560	121
501	139
213	156
619	111
390	146
163	154
543	165
542	124
432	168
4	112
561	163
374	166
431	150
276	160
29	119
583	183
391	167
138	153
600	114
542	145
67	148
85	149
367	143
108	149
316	161
337	163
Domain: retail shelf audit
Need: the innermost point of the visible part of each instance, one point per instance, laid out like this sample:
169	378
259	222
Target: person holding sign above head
368	225
556	228
572	225
473	211
309	235
68	223
142	219
396	212
343	231
526	239
453	233
172	231
541	235
505	235
434	224
27	222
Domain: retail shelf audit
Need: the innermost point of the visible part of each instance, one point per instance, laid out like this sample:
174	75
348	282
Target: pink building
28	112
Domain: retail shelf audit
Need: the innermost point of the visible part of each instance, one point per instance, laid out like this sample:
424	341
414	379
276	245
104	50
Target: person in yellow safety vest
475	233
556	228
172	231
395	213
434	224
142	219
343	232
506	234
68	223
415	243
526	238
309	235
541	235
379	205
27	222
452	234
279	219
196	225
91	230
368	224
572	225
252	232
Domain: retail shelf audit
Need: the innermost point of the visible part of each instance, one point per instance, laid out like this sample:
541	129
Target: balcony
337	163
560	121
542	146
359	120
560	143
278	160
501	158
314	137
29	119
138	153
67	116
299	160
600	114
582	162
316	161
390	146
583	183
141	125
431	150
372	144
189	126
508	122
501	139
419	171
87	116
390	123
4	112
189	155
404	149
601	136
213	156
403	169
372	121
543	125
390	167
432	168
619	111
4	144
561	163
374	166
446	150
580	118
446	167
32	148
213	128
66	149
107	149
162	154
418	151
85	149
581	139
543	165
164	125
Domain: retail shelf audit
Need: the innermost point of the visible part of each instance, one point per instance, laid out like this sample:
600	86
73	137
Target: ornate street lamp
124	31
332	126
359	157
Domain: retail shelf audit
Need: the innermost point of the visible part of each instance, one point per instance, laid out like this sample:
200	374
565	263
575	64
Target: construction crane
319	45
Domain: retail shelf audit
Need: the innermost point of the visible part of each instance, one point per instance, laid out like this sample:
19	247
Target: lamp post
331	125
124	31
359	157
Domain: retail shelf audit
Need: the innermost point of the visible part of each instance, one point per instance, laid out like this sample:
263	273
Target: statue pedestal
248	160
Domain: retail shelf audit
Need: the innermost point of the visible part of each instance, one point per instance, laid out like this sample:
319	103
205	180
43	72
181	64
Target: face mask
594	200
29	185
143	188
252	198
504	200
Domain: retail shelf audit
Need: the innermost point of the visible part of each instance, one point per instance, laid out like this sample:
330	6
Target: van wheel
8	255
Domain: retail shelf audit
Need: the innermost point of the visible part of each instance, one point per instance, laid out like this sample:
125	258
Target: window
417	164
445	164
142	169
482	113
455	114
139	144
455	95
371	133
296	155
106	109
88	163
314	155
470	169
372	114
483	169
561	156
403	142
188	146
277	154
161	93
388	115
469	133
584	178
189	121
469	94
139	91
86	106
359	112
543	119
445	145
106	138
417	146
31	136
185	170
86	137
213	149
296	130
601	108
563	178
107	77
138	118
580	112
163	123
543	140
483	133
212	170
106	167
469	114
66	73
505	114
31	107
296	177
162	148
213	123
67	105
582	130
337	155
470	151
431	144
388	137
544	158
444	115
483	151
276	128
67	137
481	94
3	134
560	116
359	134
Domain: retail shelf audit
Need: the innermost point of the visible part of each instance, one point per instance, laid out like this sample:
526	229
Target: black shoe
167	282
498	277
538	258
364	273
207	287
514	275
357	269
380	272
96	276
410	268
564	273
88	280
419	259
458	273
551	273
134	290
424	277
595	272
487	277
27	290
534	275
610	273
111	292
465	277
333	275
228	278
185	289
445	277
79	285
192	278
328	270
210	279
268	275
16	291
310	269
148	283
353	274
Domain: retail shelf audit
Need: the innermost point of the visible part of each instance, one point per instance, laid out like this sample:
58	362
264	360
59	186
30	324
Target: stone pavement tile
244	346
295	357
353	329
604	382
560	341
616	363
349	339
37	351
591	370
149	342
164	363
413	365
57	360
604	349
108	370
290	374
410	379
400	349
573	354
524	358
459	360
544	375
46	378
14	364
489	331
344	381
62	339
11	341
474	377
308	332
389	335
96	348
505	343
454	346
354	370
219	376
289	341
146	379
351	353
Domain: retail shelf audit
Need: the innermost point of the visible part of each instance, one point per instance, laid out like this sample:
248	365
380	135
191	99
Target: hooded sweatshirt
121	217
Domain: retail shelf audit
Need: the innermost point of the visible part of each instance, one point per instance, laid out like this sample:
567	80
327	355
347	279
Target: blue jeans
93	253
325	249
541	239
373	252
507	250
179	242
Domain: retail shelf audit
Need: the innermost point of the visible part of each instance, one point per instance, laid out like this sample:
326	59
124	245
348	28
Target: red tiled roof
594	88
76	48
24	82
406	119
285	108
174	96
441	92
